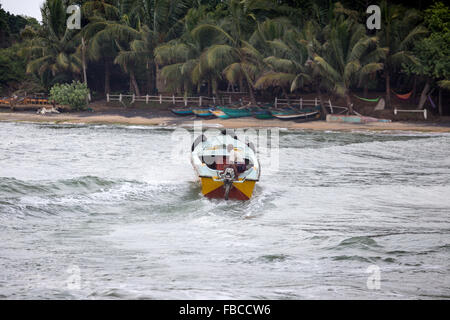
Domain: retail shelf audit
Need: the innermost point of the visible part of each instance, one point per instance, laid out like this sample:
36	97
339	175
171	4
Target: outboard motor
228	177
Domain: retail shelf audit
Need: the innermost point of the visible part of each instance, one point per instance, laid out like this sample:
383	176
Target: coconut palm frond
233	72
275	79
444	84
326	68
402	57
415	34
205	30
300	80
219	56
280	64
351	69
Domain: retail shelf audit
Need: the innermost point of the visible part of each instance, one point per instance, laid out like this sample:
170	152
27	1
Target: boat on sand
299	114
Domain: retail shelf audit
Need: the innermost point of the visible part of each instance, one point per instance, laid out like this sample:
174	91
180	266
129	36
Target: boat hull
202	112
236	113
298	116
353	119
182	112
239	191
219	114
263	115
305	114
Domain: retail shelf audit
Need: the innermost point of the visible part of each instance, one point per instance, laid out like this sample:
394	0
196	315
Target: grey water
102	212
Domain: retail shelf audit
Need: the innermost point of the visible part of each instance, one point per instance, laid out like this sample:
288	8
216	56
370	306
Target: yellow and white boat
210	159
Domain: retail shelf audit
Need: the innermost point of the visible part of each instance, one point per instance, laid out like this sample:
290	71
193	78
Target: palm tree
284	55
232	55
163	21
183	60
53	48
399	31
348	54
101	14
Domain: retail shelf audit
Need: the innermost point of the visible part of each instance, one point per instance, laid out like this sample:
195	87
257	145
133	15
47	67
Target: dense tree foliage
433	51
12	63
256	46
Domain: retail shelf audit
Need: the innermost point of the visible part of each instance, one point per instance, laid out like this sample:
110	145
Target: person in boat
235	160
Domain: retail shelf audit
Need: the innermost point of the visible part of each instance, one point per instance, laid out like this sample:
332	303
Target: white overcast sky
29	8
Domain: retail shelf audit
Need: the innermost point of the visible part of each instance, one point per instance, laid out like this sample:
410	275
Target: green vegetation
262	47
74	95
12	62
433	52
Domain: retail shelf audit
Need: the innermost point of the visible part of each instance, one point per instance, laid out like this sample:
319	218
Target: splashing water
100	211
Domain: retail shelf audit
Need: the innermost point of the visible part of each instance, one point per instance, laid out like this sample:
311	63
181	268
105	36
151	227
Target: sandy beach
133	117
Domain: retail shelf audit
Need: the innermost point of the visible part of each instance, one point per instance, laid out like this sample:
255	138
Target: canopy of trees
256	46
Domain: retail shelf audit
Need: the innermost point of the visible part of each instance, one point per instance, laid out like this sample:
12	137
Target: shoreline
160	119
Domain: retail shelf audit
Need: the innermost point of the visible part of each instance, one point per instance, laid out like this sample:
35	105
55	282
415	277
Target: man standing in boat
235	160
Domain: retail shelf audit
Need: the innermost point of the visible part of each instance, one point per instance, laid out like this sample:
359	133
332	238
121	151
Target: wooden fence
200	100
301	102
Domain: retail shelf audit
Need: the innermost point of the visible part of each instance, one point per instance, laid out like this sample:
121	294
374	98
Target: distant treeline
257	46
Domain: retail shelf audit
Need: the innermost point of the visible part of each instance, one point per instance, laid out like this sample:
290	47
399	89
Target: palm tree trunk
83	59
160	83
214	88
134	83
150	80
388	90
349	103
414	90
423	96
107	77
286	95
251	92
322	104
241	86
440	101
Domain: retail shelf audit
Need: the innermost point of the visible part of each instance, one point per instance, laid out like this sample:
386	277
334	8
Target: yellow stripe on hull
209	186
246	187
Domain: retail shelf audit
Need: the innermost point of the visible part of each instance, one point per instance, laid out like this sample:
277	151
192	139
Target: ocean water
104	212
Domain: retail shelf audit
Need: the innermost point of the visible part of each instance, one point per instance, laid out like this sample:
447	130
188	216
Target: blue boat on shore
236	112
299	114
182	111
202	112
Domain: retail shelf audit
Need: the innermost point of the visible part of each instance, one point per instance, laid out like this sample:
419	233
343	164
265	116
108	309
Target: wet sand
166	119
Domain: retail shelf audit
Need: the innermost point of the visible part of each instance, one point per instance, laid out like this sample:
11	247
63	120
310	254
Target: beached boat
204	112
217	176
262	114
236	112
219	113
353	119
300	114
182	111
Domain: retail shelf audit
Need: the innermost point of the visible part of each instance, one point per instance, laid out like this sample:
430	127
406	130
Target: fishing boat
353	119
262	114
202	112
219	113
301	114
217	176
237	112
182	111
